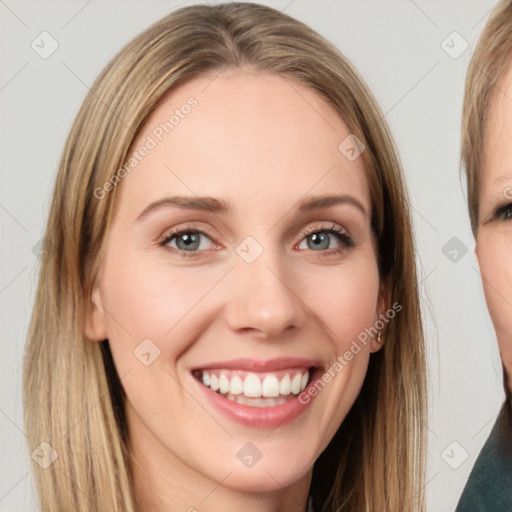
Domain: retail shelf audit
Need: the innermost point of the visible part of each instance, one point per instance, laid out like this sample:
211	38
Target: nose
262	299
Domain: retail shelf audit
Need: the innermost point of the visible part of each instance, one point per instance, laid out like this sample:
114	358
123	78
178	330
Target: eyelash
345	239
501	212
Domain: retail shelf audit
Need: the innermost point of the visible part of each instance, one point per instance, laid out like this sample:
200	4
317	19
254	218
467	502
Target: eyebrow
214	205
504	178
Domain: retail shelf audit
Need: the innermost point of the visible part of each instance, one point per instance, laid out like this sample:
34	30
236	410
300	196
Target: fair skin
256	143
494	235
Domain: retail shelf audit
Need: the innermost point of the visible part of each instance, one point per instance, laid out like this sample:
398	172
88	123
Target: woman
193	345
486	156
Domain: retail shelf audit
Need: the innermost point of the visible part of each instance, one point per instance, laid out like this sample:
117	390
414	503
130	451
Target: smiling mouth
256	389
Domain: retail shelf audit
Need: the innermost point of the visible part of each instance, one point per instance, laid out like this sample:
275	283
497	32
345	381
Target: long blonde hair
73	398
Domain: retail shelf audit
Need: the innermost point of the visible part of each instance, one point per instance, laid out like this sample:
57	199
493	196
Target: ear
383	305
95	325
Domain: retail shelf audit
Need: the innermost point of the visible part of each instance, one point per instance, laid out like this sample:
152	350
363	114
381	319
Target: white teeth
252	386
214	382
270	386
237	386
285	387
223	384
304	381
297	379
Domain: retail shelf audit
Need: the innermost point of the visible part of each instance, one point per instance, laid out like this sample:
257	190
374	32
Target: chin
264	479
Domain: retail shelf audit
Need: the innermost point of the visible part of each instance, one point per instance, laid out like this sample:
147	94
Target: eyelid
324	225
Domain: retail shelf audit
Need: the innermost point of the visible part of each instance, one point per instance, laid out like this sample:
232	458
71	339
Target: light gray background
397	47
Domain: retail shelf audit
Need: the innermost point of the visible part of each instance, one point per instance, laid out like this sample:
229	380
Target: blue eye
188	240
319	238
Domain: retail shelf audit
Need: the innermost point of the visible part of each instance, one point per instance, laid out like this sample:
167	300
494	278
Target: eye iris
318	238
191	241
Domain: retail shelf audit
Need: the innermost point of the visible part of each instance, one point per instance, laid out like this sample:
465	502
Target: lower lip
260	417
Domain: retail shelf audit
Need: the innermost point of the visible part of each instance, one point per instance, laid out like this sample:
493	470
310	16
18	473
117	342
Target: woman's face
494	235
255	295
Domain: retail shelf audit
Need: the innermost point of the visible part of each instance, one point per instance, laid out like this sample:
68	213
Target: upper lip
280	363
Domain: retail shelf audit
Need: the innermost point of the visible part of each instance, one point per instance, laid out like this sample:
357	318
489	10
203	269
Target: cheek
496	268
346	300
152	313
147	301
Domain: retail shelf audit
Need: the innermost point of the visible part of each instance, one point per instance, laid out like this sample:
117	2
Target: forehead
254	135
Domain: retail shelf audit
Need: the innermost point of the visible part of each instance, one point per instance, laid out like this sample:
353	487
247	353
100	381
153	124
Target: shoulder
489	487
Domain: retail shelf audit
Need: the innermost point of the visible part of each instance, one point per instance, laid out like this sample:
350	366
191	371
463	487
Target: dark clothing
489	487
